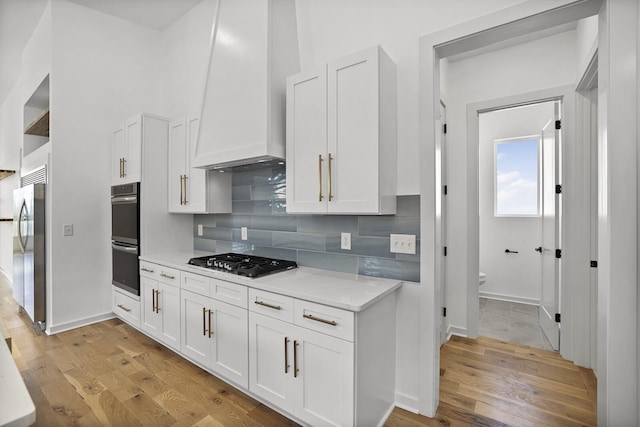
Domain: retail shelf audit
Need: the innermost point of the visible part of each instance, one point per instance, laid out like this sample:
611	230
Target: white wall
513	277
514	70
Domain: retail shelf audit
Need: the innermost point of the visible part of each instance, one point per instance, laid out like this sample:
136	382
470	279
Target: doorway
517	174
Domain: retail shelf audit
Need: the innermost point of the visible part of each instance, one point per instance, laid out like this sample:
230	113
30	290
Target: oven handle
124	248
124	199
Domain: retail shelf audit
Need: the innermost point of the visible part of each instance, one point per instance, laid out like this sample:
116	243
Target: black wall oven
125	236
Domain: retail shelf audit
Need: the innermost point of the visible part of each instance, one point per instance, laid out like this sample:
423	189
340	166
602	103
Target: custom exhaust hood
253	48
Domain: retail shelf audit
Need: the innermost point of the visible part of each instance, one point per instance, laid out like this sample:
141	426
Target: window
516	177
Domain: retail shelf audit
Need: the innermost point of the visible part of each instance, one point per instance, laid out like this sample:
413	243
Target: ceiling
18	19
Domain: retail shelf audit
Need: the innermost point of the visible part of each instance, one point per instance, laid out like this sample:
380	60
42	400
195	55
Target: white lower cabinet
306	373
160	305
215	335
125	307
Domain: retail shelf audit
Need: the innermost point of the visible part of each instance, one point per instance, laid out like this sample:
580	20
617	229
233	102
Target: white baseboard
6	275
386	415
63	327
509	298
406	402
456	330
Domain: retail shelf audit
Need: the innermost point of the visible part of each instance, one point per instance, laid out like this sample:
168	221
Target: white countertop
342	290
16	407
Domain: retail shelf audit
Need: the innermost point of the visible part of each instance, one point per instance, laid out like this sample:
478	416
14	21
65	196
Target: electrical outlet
67	229
345	241
243	233
403	243
200	230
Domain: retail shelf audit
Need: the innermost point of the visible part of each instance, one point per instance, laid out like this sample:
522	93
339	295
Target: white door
324	379
443	225
117	155
307	142
133	155
353	133
168	308
230	342
271	360
196	343
177	165
551	208
150	320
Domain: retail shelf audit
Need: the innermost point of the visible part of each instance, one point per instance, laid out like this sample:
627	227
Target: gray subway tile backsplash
258	203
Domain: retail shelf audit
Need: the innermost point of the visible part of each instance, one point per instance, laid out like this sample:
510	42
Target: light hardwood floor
109	374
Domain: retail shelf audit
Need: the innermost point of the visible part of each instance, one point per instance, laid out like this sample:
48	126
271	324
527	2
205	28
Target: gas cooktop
243	265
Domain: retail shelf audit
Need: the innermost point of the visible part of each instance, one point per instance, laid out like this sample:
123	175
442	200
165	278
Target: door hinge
594	264
558	253
558	189
445	251
558	124
558	317
444	128
444	311
444	190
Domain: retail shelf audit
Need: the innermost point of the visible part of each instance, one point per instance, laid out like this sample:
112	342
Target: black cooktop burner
243	265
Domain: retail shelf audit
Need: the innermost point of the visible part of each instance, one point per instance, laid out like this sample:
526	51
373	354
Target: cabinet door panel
307	142
177	164
117	150
133	154
196	343
150	320
196	178
325	383
269	377
230	342
353	132
169	311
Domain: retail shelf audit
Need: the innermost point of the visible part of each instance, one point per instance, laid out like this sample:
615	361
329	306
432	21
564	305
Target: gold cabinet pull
318	319
120	167
204	324
128	310
295	359
286	355
275	307
153	300
319	177
329	186
157	301
124	167
181	196
210	331
184	180
146	269
168	276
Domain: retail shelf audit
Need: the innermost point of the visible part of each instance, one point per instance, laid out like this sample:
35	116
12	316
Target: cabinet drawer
148	269
272	305
322	318
229	292
195	283
168	275
126	308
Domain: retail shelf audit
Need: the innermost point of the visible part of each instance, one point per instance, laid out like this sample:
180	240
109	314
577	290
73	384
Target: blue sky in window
517	177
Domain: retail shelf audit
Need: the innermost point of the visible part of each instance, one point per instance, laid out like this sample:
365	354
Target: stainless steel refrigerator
29	274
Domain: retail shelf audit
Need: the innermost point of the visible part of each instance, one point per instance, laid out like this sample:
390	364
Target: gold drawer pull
128	310
317	319
275	307
286	355
167	276
146	269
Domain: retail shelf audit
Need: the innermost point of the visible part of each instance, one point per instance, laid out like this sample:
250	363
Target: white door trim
519	19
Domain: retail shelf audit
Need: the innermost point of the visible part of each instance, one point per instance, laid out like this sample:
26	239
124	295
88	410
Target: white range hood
253	49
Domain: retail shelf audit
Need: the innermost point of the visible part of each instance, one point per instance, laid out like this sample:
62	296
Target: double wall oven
125	236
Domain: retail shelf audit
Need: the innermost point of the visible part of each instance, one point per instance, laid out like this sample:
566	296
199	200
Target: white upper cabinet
253	48
127	152
341	137
193	190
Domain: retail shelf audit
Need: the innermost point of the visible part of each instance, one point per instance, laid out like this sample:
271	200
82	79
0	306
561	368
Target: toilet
483	278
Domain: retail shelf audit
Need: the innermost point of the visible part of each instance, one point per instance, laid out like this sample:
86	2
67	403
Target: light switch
345	241
403	243
243	233
67	229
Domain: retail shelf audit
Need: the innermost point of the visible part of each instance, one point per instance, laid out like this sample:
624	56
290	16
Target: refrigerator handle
21	218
